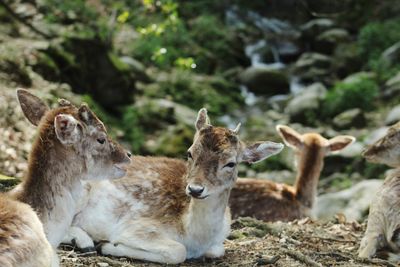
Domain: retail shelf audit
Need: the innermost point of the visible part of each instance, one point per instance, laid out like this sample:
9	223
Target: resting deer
72	145
270	201
22	239
166	210
382	236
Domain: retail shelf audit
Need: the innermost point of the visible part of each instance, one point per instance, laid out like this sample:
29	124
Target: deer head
75	133
302	143
387	149
215	154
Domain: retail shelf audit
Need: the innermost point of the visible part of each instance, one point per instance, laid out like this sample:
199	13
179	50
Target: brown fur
22	240
52	166
270	201
65	151
165	195
166	210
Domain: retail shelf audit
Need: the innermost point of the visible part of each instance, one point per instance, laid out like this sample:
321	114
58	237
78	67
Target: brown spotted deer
166	210
71	145
22	239
382	236
270	201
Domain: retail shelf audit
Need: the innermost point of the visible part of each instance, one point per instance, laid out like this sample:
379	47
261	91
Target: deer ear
87	115
66	128
260	151
339	142
32	106
289	136
202	119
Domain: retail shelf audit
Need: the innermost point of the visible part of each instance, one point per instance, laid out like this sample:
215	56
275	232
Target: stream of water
275	38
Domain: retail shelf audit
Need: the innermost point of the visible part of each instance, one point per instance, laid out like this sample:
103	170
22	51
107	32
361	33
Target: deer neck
310	164
206	214
53	178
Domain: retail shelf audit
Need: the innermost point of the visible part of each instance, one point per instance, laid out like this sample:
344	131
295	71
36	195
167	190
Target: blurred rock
349	119
283	176
392	87
327	41
172	141
392	54
306	103
353	150
265	81
375	135
7	182
359	76
352	202
312	67
347	59
315	27
137	68
393	116
89	66
168	111
336	35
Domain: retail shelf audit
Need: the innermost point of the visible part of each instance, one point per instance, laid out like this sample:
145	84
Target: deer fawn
72	145
270	201
382	236
166	210
22	239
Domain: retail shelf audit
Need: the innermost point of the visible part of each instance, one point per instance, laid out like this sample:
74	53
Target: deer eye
230	165
101	140
189	155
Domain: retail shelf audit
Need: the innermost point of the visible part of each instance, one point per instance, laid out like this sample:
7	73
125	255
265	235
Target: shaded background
147	66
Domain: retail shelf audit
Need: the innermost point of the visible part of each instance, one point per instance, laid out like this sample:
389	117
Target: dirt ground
255	243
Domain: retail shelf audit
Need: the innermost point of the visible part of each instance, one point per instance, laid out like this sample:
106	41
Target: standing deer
22	239
382	236
166	210
72	145
270	201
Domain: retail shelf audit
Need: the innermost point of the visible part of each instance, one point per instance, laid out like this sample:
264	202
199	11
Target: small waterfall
277	35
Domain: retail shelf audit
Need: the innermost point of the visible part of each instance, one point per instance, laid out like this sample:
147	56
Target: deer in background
22	239
382	236
166	210
270	201
72	145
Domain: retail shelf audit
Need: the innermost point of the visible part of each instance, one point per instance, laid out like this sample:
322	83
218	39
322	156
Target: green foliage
216	43
375	37
133	129
373	171
175	141
216	94
344	96
383	69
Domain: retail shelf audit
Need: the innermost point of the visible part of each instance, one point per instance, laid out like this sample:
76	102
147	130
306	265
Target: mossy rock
89	66
172	142
265	81
7	182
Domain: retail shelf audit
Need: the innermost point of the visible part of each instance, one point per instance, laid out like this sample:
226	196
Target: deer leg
369	245
157	249
215	251
82	240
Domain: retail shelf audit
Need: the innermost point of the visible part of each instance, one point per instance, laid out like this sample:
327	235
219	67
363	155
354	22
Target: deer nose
129	154
195	190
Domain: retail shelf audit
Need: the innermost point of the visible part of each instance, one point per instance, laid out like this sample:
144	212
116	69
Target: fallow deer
22	239
166	210
382	236
270	201
72	145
